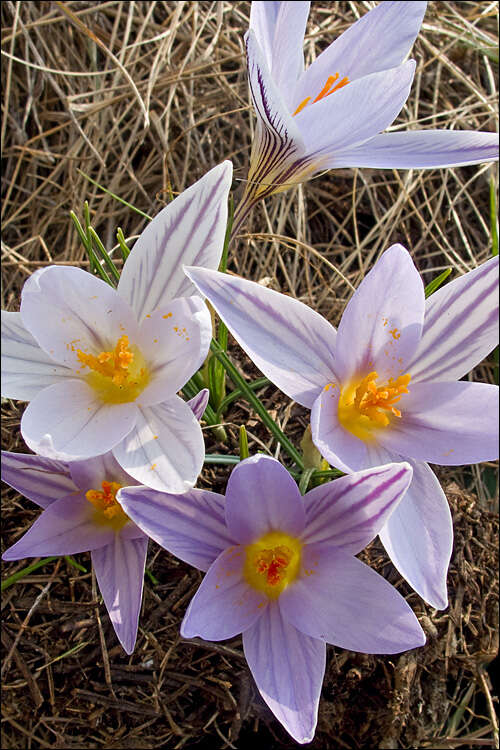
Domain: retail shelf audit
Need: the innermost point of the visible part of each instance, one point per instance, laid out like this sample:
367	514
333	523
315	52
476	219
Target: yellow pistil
365	406
272	563
325	91
118	376
108	511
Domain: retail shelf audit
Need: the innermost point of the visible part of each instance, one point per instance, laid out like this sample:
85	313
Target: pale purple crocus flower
81	514
384	386
281	570
333	113
101	367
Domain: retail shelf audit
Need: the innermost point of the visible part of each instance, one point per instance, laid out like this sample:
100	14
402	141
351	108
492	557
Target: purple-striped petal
68	421
382	323
349	512
340	447
92	472
288	668
41	480
66	527
165	449
419	149
280	139
460	326
190	526
224	605
289	342
342	601
189	230
261	496
175	340
26	368
119	569
67	309
446	423
279	28
198	403
385	34
418	536
356	112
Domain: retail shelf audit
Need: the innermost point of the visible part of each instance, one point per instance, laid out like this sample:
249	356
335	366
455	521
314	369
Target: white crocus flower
101	367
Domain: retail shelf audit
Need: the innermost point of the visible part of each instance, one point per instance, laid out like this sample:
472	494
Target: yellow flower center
365	406
118	376
327	89
272	563
108	511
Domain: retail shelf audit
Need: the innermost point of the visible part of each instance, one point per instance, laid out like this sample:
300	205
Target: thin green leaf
151	577
305	478
436	283
258	406
74	563
493	217
243	443
25	572
227	237
104	254
113	195
123	245
259	383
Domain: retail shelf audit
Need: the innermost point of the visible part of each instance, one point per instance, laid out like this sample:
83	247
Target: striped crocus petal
292	344
26	368
278	153
288	668
349	512
420	149
41	480
418	536
198	403
279	28
189	230
119	568
460	326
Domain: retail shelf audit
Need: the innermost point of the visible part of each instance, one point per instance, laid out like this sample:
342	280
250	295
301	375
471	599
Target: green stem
257	404
116	197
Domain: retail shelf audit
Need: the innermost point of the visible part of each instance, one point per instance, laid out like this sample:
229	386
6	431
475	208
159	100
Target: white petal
175	340
190	230
66	421
26	369
66	309
460	326
165	450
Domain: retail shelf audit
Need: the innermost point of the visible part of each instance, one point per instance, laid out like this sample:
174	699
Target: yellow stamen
108	511
272	563
325	91
118	376
363	406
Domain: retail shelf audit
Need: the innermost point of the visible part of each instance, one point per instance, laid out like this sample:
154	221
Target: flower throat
118	376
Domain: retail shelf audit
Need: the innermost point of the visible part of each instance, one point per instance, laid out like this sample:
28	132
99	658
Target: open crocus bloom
332	114
101	367
81	514
282	571
384	387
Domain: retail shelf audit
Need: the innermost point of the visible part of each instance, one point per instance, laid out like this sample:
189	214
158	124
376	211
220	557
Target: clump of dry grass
145	97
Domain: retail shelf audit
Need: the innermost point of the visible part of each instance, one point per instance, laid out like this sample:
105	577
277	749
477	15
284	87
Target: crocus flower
332	114
281	570
81	514
101	367
384	387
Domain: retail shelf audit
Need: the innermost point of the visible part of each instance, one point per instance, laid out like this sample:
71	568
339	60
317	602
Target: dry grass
145	97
